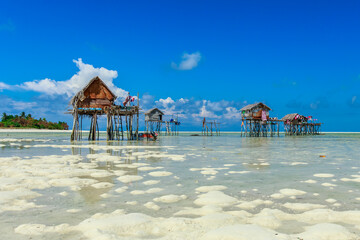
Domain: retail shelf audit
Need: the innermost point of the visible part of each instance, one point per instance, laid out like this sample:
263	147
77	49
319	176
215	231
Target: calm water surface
64	177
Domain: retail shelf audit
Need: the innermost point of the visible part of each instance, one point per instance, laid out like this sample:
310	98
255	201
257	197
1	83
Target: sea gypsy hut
153	120
154	114
294	118
96	99
94	95
256	121
255	111
296	124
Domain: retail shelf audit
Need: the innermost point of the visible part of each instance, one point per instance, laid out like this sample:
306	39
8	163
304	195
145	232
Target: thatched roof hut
255	110
289	117
294	118
254	106
154	115
94	95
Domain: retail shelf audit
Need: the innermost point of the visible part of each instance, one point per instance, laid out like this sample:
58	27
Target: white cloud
192	111
76	82
189	61
4	86
218	106
183	101
166	102
19	105
167	105
9	105
232	113
204	112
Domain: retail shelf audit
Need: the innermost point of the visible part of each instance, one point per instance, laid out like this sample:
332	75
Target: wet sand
182	187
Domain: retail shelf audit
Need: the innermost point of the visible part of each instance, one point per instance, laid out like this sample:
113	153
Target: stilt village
96	99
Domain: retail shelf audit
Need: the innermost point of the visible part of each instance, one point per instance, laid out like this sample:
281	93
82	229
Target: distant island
27	121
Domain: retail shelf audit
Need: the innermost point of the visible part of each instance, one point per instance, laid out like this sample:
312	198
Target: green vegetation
27	121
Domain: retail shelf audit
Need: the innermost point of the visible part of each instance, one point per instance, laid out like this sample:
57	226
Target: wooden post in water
131	127
127	127
122	129
94	124
97	130
137	119
108	133
278	130
73	132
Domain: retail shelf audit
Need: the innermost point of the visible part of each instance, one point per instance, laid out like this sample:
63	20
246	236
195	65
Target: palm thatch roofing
152	110
80	95
291	116
255	105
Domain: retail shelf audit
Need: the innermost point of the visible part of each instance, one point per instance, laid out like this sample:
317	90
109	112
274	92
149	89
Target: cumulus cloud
166	102
167	105
204	112
4	86
76	82
232	113
189	61
193	111
190	108
182	100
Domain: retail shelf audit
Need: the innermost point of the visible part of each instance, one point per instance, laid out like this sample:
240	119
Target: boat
149	136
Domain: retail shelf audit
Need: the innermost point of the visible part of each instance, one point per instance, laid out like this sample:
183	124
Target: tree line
27	121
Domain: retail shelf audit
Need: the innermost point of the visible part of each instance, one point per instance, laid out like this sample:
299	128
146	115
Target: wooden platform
251	127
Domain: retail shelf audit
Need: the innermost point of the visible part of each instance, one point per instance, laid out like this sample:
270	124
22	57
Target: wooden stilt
73	132
137	118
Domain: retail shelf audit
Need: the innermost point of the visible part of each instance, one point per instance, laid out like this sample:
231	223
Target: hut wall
96	96
153	116
94	103
255	113
98	91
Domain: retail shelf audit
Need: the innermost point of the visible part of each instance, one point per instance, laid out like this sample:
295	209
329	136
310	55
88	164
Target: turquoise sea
180	187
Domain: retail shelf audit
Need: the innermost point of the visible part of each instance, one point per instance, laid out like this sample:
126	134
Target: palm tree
4	116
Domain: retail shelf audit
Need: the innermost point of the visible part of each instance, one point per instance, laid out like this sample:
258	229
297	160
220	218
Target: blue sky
195	58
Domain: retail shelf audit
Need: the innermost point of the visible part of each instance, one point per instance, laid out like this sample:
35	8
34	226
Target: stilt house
96	99
154	115
256	121
296	124
154	120
254	111
94	95
294	118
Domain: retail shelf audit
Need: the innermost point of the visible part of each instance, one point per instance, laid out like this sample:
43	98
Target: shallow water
180	187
